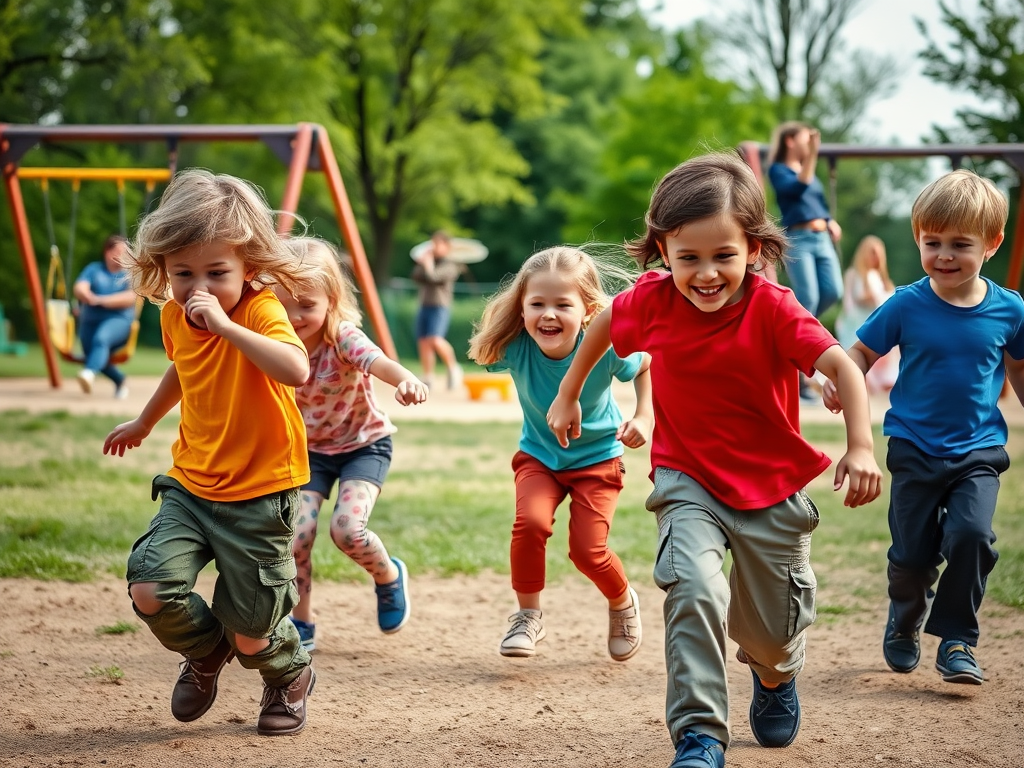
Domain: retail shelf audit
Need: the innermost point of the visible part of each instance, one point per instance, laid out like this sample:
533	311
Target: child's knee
145	596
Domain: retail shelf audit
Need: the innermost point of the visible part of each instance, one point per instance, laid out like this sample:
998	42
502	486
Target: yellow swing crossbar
95	174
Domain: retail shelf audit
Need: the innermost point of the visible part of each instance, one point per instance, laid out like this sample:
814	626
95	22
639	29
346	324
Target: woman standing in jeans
813	264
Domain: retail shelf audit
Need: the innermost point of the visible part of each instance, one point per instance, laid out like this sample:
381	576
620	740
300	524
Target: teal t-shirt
537	379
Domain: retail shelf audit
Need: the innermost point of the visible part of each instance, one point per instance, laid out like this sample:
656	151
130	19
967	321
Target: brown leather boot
283	709
196	688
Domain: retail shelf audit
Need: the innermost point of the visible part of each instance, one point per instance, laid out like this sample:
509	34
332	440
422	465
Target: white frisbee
463	250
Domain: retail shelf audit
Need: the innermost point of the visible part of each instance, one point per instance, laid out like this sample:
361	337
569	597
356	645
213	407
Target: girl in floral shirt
348	435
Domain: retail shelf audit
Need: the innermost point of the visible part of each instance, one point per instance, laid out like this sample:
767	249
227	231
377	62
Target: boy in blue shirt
959	334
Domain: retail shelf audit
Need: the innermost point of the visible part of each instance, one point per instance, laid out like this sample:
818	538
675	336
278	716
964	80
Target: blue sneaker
698	750
774	713
902	650
956	663
307	631
393	601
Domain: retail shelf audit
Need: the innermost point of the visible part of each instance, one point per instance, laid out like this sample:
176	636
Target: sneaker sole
522	653
85	384
639	630
958	677
403	573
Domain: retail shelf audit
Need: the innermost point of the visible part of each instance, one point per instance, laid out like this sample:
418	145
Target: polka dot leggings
348	531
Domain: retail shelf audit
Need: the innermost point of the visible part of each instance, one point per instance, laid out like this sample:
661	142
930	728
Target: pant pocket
275	596
665	575
802	587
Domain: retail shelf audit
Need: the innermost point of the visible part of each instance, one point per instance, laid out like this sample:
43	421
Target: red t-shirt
725	386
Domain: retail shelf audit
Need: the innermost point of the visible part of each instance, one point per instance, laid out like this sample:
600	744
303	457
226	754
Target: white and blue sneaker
393	601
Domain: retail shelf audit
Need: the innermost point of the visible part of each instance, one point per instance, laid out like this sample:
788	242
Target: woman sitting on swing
107	305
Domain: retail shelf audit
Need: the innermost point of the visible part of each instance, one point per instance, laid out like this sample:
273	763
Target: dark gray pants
941	509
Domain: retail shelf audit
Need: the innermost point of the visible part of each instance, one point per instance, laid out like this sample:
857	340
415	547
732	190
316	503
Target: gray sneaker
522	637
624	630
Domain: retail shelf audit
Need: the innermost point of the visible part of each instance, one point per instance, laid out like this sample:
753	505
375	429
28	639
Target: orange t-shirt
241	434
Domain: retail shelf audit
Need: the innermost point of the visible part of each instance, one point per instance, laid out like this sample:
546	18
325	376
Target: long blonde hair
502	319
871	244
323	273
198	208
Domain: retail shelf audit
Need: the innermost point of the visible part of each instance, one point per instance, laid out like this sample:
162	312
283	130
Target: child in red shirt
729	464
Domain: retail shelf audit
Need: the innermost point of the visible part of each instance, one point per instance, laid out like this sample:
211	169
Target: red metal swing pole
28	261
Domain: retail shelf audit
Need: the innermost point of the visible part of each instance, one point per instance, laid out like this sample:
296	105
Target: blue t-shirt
798	202
104	283
537	379
946	396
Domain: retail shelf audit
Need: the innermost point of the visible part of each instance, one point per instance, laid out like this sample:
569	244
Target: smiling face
708	259
953	262
553	313
211	267
307	313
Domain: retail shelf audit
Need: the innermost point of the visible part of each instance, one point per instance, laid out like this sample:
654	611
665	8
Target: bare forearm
120	300
856	409
166	396
390	372
280	360
644	398
595	343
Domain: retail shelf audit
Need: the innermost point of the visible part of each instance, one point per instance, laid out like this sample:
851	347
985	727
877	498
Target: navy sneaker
956	663
393	601
307	633
698	750
774	713
902	650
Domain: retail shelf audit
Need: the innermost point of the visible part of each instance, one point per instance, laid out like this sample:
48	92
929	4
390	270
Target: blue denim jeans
813	270
101	338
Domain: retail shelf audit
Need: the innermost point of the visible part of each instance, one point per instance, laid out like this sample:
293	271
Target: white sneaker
624	630
455	377
85	379
522	637
121	392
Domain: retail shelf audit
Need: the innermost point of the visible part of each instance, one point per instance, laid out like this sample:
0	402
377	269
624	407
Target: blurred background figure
866	287
435	275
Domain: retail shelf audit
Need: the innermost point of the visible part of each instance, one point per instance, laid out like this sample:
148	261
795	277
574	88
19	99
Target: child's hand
830	396
125	436
564	419
204	310
865	477
635	432
411	392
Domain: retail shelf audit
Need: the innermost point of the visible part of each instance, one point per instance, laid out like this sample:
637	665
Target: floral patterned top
337	402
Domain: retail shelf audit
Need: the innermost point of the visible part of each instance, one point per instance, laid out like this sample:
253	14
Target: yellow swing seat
63	335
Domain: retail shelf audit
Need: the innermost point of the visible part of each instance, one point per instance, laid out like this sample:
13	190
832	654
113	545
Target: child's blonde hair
706	187
324	273
198	208
502	319
961	201
872	244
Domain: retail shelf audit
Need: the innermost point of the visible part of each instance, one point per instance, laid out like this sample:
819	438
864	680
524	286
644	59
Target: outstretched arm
1015	374
863	358
637	431
132	433
859	462
408	389
564	415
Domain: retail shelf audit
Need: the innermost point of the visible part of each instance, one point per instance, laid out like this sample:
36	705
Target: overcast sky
885	26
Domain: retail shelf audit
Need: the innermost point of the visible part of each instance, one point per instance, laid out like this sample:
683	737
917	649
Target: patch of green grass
112	674
447	507
147	361
120	628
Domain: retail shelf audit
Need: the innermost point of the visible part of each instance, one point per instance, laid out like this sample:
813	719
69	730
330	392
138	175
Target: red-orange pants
593	492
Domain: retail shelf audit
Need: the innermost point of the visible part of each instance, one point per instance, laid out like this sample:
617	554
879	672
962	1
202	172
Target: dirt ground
439	694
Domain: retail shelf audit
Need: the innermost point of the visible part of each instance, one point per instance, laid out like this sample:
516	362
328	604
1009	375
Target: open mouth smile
708	293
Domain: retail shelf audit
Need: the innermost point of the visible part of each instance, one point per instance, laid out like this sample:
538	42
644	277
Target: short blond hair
199	208
324	274
961	201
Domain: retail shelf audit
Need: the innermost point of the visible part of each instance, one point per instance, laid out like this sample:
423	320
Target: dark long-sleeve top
797	201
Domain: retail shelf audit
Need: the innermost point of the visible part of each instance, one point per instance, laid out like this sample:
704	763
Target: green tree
986	58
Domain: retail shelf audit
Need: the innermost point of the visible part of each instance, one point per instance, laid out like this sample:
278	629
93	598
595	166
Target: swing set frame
755	154
302	147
